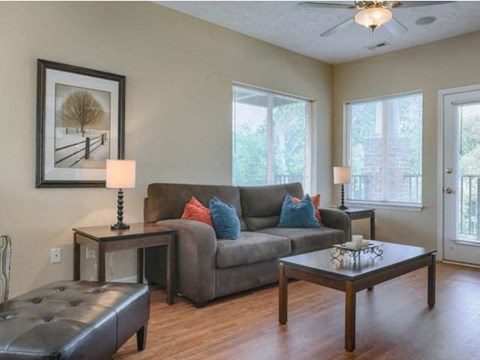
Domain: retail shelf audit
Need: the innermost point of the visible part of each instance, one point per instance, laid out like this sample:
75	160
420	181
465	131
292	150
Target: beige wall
179	73
441	65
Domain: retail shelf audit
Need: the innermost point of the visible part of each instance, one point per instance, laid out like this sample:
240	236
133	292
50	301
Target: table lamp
342	175
120	175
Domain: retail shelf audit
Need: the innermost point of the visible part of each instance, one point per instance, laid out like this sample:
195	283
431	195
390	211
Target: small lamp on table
120	175
342	175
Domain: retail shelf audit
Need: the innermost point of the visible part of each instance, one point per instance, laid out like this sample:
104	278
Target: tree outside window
270	137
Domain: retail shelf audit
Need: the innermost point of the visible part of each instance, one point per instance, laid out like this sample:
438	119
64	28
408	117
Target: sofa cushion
304	240
225	220
300	215
251	247
261	205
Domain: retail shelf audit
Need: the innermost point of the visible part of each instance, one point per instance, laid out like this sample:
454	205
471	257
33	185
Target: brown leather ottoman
74	320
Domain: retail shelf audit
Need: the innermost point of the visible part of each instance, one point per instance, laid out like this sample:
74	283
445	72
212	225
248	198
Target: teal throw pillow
298	216
225	220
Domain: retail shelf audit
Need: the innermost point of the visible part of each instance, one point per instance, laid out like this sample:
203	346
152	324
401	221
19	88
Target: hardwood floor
393	322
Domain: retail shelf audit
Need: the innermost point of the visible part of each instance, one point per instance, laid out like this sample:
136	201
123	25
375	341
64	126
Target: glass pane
469	171
249	137
289	140
386	149
366	155
270	133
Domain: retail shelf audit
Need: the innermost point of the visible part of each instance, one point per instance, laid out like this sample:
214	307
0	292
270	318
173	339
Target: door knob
448	170
448	190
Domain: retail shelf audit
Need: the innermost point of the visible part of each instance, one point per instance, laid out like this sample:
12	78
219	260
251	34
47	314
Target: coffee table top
345	267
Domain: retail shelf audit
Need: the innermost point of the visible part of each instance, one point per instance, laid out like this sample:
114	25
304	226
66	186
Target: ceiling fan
371	14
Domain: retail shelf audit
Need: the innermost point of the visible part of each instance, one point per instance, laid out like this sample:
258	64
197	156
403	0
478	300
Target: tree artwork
81	109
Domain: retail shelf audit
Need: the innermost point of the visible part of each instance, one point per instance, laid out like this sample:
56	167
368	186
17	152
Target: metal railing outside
468	206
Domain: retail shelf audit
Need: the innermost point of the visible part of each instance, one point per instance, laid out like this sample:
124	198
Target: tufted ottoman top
72	320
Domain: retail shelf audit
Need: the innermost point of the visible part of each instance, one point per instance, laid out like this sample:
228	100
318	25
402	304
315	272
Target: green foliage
251	140
469	127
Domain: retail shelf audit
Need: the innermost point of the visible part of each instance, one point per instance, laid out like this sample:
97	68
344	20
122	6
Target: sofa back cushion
167	201
261	205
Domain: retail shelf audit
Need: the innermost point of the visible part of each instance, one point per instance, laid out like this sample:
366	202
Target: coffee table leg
350	306
282	295
431	282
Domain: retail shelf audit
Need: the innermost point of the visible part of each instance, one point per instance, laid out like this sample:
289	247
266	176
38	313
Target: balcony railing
362	189
468	203
287	178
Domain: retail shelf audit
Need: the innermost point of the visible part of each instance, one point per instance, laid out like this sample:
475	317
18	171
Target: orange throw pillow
194	210
316	205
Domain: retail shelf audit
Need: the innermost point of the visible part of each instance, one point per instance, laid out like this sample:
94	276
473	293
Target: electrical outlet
90	253
55	255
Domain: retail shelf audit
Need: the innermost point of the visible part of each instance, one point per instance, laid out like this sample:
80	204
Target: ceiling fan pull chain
372	40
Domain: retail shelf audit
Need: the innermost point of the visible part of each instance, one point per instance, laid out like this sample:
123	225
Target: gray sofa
208	267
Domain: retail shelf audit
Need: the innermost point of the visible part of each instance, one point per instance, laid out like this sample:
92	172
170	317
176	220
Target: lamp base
120	226
342	206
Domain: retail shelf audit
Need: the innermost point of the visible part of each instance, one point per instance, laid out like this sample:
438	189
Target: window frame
346	148
310	167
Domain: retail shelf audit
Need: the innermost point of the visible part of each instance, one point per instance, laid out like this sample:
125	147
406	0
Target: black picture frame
80	124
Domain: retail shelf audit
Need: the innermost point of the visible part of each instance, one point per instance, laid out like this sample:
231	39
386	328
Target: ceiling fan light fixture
373	17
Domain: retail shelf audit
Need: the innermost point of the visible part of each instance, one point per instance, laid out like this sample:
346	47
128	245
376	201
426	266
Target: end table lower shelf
138	236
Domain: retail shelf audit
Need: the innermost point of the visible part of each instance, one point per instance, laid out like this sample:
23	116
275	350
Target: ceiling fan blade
338	27
408	4
395	27
330	5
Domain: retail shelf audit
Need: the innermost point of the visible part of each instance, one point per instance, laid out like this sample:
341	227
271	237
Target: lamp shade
120	174
373	17
342	174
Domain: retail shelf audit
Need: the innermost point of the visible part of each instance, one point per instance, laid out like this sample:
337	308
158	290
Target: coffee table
353	274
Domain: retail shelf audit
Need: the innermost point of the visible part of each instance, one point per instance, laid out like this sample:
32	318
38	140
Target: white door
461	174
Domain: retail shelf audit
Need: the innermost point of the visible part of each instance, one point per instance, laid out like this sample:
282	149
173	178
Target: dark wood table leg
101	263
282	295
76	258
171	270
372	226
350	307
140	265
431	282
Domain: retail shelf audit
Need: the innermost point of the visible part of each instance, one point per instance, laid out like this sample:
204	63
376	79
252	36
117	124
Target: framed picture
80	124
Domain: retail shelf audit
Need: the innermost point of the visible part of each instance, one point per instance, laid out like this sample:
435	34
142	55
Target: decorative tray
342	249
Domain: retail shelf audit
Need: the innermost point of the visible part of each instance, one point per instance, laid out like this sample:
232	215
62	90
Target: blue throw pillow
298	216
225	220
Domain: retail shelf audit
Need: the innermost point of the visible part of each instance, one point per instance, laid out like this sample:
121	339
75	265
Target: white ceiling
285	24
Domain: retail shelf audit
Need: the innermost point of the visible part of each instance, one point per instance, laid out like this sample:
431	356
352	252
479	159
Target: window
271	135
384	149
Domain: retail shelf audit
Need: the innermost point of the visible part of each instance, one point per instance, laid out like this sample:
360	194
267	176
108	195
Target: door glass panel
468	179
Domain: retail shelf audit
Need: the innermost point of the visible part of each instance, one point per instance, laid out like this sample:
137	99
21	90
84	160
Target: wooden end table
350	276
359	213
138	236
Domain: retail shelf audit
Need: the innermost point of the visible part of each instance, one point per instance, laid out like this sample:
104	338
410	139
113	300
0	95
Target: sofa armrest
337	219
196	254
